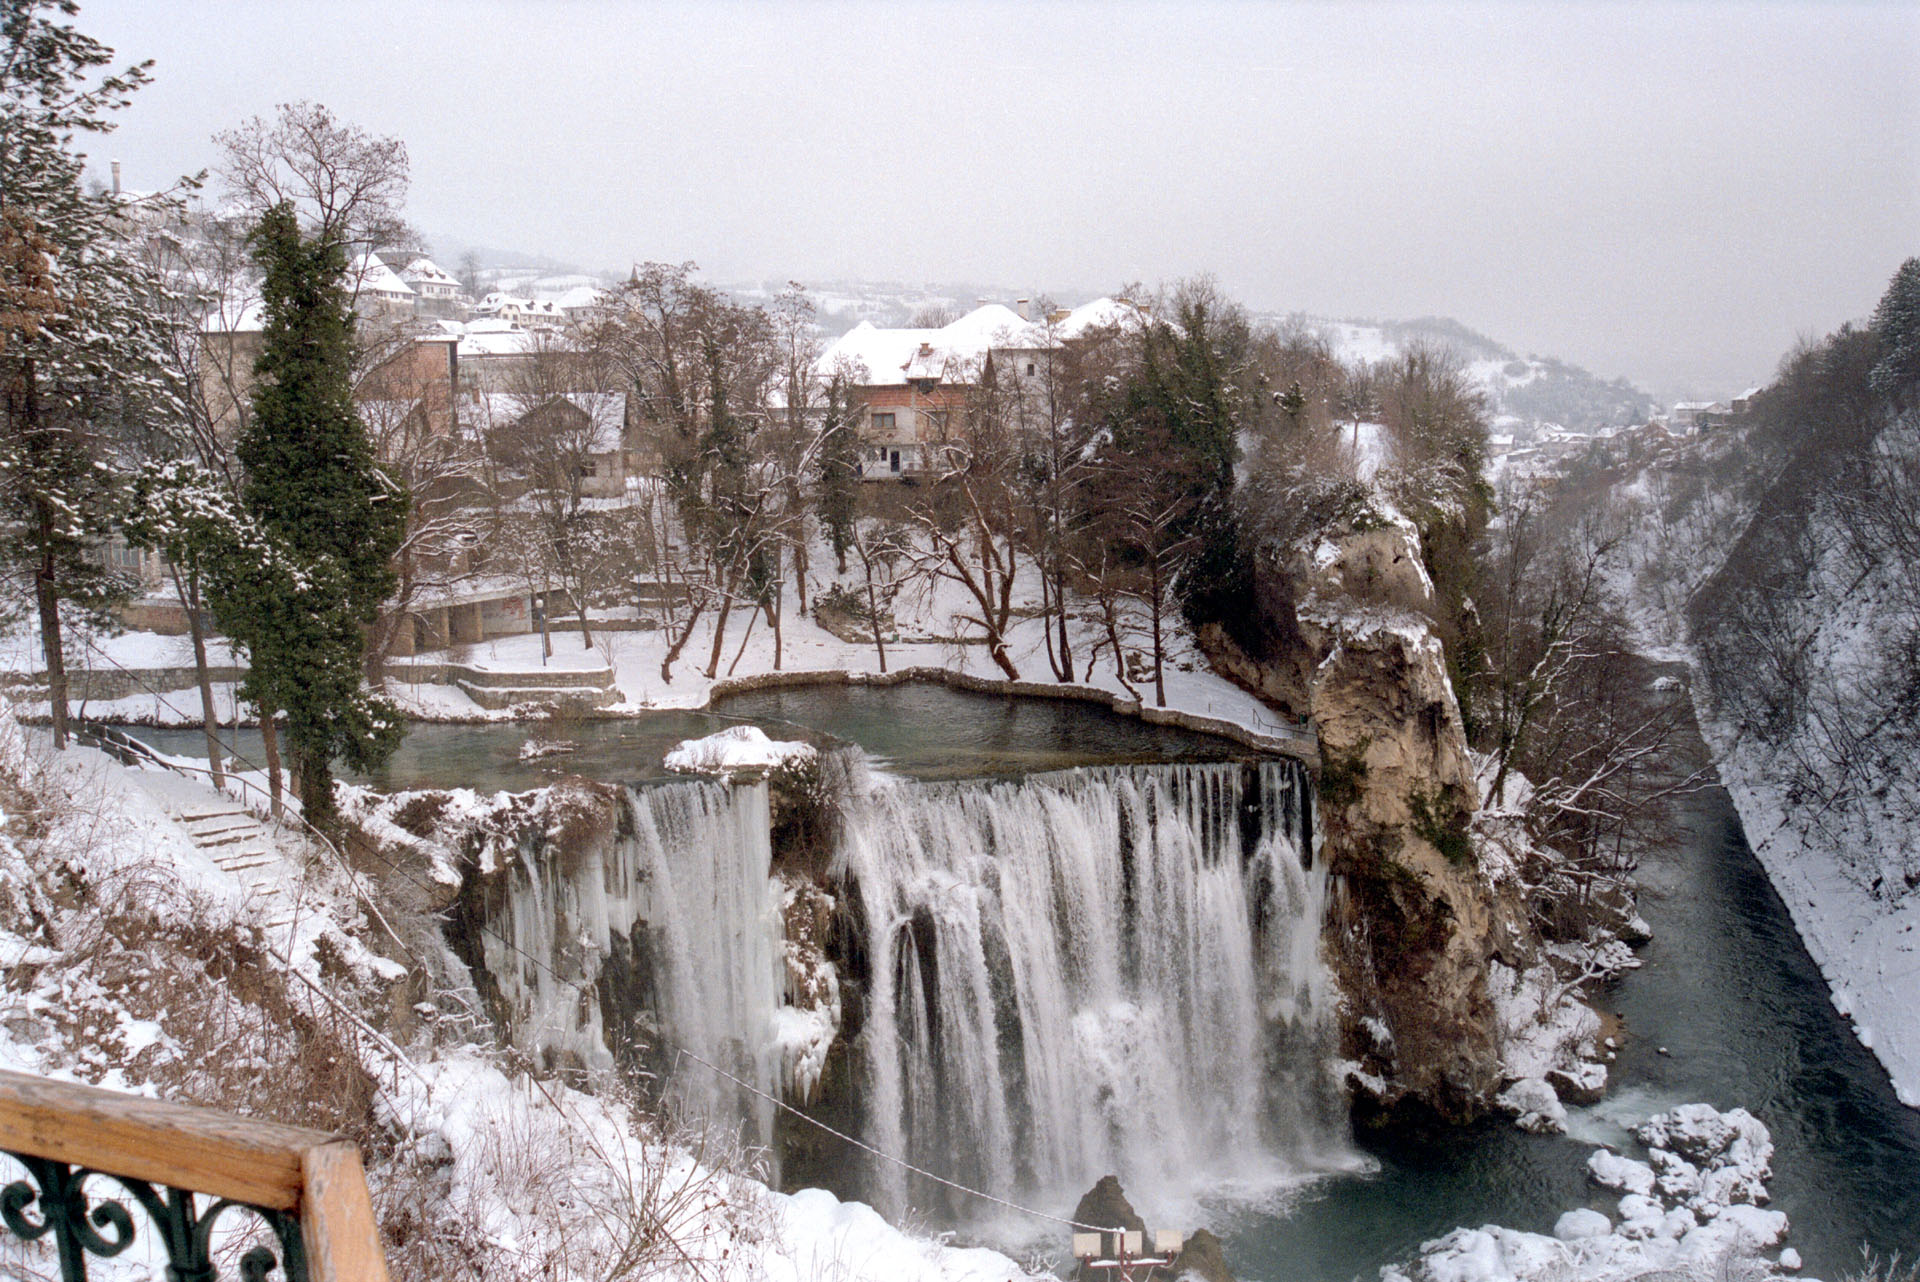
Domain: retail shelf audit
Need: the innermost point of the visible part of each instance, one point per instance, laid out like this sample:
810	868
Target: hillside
1777	556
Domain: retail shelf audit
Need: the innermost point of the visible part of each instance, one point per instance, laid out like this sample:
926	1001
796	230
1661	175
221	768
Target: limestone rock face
1106	1205
1412	925
1202	1257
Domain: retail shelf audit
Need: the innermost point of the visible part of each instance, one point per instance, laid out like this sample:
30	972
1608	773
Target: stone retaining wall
461	674
115	683
1304	746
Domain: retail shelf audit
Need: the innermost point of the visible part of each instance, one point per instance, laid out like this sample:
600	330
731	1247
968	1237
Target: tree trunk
1060	603
270	748
1111	615
1046	622
188	590
680	642
873	617
46	595
720	631
997	647
800	575
314	776
1159	652
752	616
774	612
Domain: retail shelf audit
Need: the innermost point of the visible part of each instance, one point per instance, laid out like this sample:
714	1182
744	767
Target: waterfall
1099	970
662	934
1106	969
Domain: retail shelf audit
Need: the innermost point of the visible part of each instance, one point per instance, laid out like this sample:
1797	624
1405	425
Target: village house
913	385
378	291
521	313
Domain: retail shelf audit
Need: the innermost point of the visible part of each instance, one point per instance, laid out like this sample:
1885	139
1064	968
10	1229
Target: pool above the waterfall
921	730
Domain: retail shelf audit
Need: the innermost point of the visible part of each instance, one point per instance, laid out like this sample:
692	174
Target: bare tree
550	436
971	522
345	184
406	398
701	367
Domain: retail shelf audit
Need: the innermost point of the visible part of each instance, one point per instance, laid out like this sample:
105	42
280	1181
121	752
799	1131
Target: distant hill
1526	392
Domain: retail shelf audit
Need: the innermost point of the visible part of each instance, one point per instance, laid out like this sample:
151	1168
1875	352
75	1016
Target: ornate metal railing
94	1158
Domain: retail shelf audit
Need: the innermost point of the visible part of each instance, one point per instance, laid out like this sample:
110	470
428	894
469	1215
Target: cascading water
1105	969
1100	970
676	903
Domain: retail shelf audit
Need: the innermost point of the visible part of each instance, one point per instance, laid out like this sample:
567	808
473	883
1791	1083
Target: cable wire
683	1053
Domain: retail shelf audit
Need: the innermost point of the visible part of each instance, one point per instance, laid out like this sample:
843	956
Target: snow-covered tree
82	337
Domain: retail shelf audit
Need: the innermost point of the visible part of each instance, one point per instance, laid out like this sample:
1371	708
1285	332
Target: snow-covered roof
581	296
606	410
495	338
425	269
893	356
1115	313
373	276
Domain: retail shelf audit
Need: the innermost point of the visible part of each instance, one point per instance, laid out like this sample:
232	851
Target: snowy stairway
243	847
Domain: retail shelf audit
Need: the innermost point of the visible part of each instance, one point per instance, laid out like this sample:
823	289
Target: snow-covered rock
1672	1219
737	749
1535	1106
1579	1225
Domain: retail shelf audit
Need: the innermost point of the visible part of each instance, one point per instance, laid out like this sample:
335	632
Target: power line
887	1157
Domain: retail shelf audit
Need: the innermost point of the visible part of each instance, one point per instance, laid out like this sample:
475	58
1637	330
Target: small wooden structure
1120	1257
306	1186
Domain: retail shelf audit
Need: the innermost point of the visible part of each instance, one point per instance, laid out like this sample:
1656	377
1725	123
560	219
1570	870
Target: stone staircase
244	847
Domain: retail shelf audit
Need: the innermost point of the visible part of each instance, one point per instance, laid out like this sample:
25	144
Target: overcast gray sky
1670	192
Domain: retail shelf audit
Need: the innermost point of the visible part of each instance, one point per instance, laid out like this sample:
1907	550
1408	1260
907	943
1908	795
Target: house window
589	468
1029	369
893	460
883	422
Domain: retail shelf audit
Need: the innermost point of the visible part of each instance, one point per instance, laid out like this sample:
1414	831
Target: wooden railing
184	1168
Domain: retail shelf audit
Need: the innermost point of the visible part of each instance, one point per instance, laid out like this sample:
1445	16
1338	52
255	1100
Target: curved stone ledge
1304	747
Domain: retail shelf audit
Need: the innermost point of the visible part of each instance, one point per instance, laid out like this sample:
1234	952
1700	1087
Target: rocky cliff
1413	926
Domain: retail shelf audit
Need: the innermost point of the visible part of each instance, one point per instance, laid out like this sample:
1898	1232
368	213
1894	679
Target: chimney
1020	305
116	178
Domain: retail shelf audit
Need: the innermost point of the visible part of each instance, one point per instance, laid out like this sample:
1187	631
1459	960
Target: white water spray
1100	970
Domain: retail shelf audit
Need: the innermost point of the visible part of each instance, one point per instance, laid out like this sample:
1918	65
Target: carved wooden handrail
308	1186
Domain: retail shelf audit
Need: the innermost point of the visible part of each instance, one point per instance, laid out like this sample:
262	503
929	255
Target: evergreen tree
1896	324
1187	394
81	333
319	494
838	489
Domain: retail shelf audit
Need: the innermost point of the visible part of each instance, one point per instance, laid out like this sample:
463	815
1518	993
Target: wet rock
1202	1257
1106	1204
